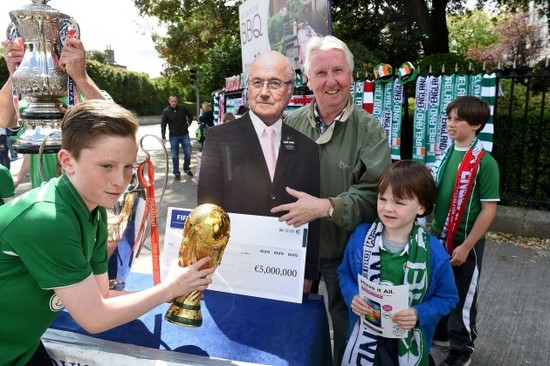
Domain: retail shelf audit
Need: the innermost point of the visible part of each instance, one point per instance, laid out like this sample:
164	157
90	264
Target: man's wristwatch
331	208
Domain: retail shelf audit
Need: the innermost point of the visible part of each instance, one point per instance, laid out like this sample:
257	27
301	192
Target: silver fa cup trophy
44	31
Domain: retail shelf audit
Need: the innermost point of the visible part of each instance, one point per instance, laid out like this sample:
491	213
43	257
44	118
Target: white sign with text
263	258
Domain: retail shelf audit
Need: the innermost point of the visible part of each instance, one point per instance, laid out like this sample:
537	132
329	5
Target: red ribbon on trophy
72	90
150	213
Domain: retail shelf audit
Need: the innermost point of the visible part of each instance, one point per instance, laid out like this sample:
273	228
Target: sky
114	23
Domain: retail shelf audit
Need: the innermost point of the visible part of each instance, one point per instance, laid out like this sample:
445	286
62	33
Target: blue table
235	327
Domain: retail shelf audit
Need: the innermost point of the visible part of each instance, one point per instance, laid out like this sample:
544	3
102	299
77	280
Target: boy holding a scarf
467	181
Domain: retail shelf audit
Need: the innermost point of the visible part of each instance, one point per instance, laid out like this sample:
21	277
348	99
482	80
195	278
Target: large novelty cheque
263	258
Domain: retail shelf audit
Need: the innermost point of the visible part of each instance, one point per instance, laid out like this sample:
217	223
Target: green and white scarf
412	350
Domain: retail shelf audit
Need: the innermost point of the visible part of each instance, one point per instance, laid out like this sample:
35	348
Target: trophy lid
38	7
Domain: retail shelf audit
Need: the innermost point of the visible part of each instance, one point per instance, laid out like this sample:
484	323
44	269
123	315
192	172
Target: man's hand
73	59
13	53
305	209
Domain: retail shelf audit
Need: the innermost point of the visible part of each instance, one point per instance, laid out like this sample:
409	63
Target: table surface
235	327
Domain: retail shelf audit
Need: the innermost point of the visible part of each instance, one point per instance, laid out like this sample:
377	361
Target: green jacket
354	152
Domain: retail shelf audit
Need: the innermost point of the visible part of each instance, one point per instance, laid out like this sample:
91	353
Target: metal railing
522	137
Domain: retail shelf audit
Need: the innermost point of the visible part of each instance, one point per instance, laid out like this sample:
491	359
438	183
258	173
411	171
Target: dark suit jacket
234	175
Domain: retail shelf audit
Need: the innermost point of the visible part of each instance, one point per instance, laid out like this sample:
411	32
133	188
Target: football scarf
464	181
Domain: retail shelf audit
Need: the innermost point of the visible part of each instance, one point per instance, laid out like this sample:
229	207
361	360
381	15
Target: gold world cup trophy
205	234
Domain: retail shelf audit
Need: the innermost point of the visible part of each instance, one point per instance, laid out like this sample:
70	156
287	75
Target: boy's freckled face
103	172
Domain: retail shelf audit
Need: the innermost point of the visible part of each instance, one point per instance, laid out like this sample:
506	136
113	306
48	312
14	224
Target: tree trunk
433	24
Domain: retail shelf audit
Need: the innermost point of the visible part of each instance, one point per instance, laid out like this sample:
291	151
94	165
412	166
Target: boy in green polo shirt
53	240
467	180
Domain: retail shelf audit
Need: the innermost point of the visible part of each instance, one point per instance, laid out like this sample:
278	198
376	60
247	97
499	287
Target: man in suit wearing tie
247	164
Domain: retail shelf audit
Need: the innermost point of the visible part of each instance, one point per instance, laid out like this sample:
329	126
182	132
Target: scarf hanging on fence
216	107
412	350
358	93
387	109
488	94
464	182
474	85
368	96
396	119
221	103
448	86
461	86
378	101
420	118
433	84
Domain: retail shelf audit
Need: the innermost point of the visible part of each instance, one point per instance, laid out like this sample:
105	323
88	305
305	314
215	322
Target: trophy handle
12	33
41	154
69	29
166	160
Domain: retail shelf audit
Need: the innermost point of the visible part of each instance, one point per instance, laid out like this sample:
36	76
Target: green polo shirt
48	239
486	188
7	189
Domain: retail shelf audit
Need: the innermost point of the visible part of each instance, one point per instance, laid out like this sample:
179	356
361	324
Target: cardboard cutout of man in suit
234	173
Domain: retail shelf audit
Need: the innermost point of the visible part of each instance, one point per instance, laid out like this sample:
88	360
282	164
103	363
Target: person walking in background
395	250
206	120
228	117
246	164
178	119
354	152
5	158
467	180
241	111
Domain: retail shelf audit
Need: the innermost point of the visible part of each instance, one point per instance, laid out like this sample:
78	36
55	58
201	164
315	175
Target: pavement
514	296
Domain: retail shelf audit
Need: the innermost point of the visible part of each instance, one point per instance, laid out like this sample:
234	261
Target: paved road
514	318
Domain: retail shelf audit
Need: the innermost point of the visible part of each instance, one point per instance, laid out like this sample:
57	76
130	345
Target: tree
471	28
193	28
98	56
541	7
412	27
520	43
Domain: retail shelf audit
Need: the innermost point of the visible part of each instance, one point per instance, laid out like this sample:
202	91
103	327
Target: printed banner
275	25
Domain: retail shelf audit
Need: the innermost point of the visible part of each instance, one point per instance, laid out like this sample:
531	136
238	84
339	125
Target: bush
133	90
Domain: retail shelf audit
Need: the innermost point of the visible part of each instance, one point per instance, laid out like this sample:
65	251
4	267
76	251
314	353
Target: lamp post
194	77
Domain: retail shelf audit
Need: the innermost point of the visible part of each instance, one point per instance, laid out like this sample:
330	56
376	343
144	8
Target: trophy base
31	140
184	314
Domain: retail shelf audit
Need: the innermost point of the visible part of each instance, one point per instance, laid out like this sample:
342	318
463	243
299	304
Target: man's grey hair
327	43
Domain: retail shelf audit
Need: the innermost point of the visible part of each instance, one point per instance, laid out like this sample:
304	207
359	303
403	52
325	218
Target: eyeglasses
272	84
